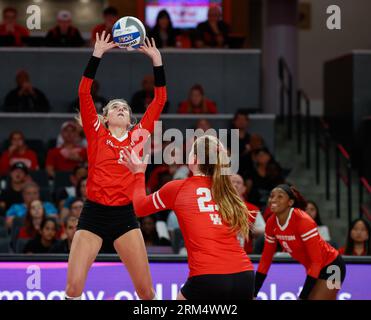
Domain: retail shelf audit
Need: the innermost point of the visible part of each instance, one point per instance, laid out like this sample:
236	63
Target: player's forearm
141	201
92	67
159	75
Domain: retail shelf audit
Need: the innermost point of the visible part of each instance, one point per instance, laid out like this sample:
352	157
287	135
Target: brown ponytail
231	207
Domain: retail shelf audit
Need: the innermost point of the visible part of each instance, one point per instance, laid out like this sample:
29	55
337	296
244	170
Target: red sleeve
308	233
341	250
90	121
34	161
270	245
183	107
160	200
83	154
154	110
211	107
51	158
4	163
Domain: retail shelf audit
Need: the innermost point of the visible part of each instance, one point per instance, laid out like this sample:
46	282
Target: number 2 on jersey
205	194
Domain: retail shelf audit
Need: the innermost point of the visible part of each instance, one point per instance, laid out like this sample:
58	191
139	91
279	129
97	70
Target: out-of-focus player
298	235
210	214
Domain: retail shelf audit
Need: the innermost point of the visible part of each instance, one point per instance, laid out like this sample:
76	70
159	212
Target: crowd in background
43	192
212	33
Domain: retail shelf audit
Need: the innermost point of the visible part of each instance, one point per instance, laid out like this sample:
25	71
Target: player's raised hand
149	49
103	44
133	162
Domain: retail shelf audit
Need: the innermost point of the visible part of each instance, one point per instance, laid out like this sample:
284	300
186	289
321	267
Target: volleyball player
211	214
108	212
298	235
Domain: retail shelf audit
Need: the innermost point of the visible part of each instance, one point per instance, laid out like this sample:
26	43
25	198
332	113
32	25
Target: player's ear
291	202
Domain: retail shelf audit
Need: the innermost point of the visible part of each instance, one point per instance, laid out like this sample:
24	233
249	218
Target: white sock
66	297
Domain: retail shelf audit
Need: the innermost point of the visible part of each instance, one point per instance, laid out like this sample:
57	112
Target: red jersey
342	252
109	180
18	33
59	162
28	157
185	107
300	238
212	247
253	212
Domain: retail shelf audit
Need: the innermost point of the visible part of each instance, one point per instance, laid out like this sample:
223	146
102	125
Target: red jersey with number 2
212	247
109	180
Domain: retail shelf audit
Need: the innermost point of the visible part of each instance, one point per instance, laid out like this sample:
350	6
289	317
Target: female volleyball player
210	214
298	235
108	213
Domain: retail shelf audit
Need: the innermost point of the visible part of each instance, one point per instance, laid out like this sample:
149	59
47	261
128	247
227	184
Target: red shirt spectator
110	16
69	155
17	152
10	27
197	102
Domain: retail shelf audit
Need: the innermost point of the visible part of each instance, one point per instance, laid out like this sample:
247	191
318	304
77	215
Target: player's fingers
148	43
103	35
153	43
97	36
126	155
107	38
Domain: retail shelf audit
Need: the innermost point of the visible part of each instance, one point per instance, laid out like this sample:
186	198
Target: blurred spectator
74	209
70	227
78	173
99	101
257	223
17	152
212	33
110	16
11	33
30	193
32	223
44	241
197	102
18	178
64	34
266	175
313	211
69	155
80	140
142	98
203	124
172	224
25	97
80	195
163	32
358	240
241	122
150	235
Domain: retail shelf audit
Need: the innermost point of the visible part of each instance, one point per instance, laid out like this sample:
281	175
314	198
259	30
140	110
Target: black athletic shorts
328	270
233	286
107	222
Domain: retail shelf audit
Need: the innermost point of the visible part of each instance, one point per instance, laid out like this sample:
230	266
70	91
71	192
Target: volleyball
129	33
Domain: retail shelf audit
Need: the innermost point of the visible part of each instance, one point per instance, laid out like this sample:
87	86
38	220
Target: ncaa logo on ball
129	33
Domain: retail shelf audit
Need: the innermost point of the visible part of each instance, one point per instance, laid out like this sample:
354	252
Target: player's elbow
139	211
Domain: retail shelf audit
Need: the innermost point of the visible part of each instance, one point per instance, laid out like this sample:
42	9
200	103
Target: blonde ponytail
232	209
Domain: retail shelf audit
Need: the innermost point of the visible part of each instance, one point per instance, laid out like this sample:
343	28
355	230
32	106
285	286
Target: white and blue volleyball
129	33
